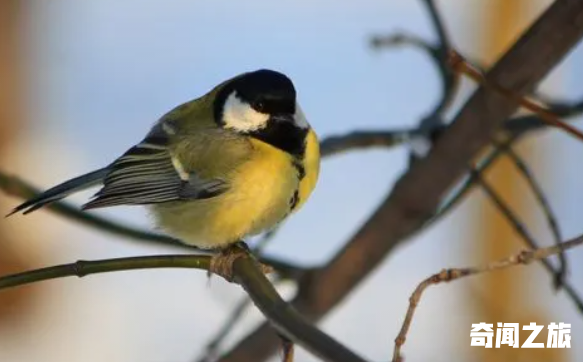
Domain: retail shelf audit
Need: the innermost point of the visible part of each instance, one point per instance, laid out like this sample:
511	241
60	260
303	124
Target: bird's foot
222	263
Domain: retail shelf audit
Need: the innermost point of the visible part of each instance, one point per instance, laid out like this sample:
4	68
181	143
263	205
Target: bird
230	164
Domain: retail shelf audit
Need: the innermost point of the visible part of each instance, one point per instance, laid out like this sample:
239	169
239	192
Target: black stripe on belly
299	166
293	201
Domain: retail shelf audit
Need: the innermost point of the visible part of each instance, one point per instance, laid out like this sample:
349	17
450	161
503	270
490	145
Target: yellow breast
262	189
258	198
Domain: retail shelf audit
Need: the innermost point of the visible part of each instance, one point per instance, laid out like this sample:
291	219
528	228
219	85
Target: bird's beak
283	118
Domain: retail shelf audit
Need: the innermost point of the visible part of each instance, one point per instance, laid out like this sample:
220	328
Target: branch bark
416	196
525	257
246	273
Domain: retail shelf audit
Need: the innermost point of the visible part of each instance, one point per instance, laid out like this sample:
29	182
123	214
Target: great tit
214	170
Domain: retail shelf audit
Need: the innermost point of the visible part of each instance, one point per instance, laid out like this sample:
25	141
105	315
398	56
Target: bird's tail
62	190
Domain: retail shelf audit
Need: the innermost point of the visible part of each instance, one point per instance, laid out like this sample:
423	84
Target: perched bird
229	164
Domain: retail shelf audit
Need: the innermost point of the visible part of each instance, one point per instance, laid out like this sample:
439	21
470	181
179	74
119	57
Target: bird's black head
262	104
267	91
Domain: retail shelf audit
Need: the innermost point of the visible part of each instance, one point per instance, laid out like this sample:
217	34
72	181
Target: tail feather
62	190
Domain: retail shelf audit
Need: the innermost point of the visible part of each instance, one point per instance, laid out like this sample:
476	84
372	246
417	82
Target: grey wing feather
62	190
146	175
143	175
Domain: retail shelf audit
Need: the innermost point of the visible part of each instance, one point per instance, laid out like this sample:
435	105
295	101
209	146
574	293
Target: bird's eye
259	105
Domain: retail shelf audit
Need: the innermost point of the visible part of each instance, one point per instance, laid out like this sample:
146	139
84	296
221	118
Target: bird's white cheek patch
239	115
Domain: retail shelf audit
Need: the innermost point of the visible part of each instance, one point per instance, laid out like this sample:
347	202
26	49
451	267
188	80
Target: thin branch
439	53
401	38
265	239
212	349
461	65
471	179
211	352
523	258
82	268
246	273
505	147
560	108
521	230
287	348
475	177
360	140
532	122
285	318
438	25
546	208
450	80
566	109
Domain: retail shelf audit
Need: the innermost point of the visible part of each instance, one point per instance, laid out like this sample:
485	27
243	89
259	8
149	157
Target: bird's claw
222	263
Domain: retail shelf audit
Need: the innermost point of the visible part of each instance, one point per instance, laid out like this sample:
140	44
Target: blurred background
81	81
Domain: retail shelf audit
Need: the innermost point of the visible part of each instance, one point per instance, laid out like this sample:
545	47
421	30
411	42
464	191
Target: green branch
82	268
284	318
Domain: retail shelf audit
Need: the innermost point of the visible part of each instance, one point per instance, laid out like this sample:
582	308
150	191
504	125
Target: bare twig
401	38
565	109
211	352
474	178
358	140
471	179
82	268
523	258
519	227
212	349
546	208
438	25
450	80
246	273
439	52
505	147
287	349
459	64
285	319
265	239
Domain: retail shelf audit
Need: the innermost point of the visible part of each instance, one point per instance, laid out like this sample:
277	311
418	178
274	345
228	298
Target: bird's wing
149	174
61	191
